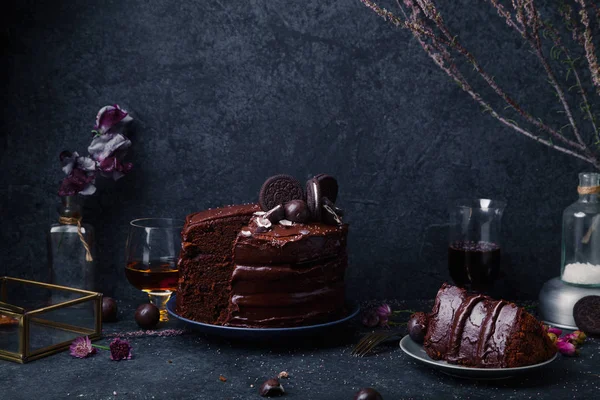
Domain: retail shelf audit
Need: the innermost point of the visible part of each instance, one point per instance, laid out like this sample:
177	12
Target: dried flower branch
424	21
590	51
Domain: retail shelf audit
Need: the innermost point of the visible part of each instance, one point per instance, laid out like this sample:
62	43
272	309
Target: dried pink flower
82	347
120	350
577	338
566	348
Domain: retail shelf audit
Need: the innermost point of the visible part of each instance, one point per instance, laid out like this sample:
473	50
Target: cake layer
287	309
213	231
289	244
287	278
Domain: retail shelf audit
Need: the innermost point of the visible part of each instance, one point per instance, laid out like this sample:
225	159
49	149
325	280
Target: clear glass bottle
580	264
69	262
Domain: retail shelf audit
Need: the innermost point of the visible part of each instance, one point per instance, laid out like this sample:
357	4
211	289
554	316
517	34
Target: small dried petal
556	331
552	337
111	118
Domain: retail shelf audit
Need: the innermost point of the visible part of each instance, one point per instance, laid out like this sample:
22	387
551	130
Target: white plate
416	351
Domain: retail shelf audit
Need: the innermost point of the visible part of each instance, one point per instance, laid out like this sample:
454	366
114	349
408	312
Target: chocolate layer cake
234	272
475	330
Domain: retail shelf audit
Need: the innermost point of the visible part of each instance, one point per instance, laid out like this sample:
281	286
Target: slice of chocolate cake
476	331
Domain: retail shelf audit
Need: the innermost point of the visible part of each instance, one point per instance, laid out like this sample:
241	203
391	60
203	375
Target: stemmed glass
152	249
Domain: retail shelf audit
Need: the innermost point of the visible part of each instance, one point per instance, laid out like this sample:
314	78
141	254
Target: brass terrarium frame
26	317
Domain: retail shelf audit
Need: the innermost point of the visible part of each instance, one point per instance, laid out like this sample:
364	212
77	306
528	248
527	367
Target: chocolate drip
489	326
460	318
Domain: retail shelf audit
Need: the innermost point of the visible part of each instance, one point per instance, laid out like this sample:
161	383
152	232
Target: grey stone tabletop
173	362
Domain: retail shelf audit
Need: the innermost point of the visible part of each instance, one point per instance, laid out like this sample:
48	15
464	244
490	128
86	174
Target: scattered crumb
251	385
114	393
170	362
222	378
283	374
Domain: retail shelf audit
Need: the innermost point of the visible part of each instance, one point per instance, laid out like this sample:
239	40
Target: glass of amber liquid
152	250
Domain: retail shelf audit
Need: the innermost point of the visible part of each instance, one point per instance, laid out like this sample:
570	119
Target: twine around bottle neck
77	221
588	190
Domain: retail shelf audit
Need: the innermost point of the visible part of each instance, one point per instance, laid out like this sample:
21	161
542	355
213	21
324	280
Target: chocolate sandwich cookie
314	199
328	185
319	188
586	313
279	189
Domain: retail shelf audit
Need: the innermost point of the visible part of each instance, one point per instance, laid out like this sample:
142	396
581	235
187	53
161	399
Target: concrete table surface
188	365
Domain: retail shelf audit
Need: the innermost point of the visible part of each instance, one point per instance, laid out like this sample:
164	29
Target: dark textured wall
225	94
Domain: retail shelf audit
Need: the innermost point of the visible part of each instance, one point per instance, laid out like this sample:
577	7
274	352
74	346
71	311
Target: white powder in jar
582	273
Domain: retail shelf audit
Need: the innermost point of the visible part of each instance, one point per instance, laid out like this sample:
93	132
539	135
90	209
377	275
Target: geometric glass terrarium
32	326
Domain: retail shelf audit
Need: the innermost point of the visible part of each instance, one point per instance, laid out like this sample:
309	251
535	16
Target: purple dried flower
384	312
111	119
566	348
80	174
370	318
120	350
108	151
82	347
73	160
78	182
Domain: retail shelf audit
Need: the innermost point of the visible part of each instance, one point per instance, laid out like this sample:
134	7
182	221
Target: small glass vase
71	248
580	264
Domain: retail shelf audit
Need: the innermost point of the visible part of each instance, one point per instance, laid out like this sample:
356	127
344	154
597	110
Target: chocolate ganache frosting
288	275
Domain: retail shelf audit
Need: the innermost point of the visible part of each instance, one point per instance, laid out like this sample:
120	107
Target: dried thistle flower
120	350
82	347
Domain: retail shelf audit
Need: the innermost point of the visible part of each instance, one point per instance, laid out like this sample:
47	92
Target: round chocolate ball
271	388
109	309
296	211
417	327
367	394
147	316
